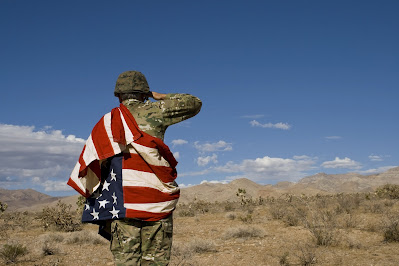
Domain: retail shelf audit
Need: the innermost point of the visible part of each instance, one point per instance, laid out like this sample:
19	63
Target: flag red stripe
101	140
131	122
146	195
146	216
76	187
135	162
82	168
117	128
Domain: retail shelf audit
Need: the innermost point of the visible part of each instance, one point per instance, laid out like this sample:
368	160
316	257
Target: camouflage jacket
155	117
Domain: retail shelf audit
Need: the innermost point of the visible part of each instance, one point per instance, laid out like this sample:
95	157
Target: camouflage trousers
136	242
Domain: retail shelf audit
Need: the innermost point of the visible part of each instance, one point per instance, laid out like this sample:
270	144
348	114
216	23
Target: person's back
134	241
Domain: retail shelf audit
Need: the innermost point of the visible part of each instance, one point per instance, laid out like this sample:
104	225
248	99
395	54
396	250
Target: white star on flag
106	185
87	207
114	212
95	214
113	175
115	198
103	203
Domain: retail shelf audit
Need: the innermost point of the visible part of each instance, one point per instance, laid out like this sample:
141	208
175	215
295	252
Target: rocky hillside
24	198
322	183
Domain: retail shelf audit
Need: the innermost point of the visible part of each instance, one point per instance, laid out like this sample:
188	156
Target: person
127	173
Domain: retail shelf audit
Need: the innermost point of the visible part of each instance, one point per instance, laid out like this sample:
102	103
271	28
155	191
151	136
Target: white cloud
333	137
215	181
212	147
268	168
279	125
375	158
50	185
376	170
202	161
176	155
342	163
40	154
184	186
179	142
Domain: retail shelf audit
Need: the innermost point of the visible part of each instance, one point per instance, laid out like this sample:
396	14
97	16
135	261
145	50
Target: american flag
106	203
124	172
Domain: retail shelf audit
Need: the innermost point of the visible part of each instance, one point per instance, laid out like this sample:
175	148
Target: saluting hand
158	96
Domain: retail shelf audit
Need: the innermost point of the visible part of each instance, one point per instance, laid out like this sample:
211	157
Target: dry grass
243	232
341	229
10	253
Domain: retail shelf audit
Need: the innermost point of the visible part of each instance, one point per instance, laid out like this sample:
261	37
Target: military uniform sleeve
177	107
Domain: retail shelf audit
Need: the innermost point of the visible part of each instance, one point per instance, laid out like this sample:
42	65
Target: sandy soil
212	237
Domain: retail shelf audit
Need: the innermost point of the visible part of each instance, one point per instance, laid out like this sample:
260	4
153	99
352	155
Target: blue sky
289	88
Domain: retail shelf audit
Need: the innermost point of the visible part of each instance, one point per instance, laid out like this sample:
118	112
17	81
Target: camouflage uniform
136	242
155	117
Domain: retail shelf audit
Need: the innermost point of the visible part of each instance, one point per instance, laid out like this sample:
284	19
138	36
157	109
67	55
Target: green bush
60	218
388	191
3	207
391	230
11	252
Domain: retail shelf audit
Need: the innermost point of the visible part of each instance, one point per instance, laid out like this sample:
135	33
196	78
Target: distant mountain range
29	199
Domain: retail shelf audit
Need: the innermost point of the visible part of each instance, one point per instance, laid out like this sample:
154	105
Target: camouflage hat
131	81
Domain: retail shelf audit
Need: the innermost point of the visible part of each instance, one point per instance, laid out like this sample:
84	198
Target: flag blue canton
106	203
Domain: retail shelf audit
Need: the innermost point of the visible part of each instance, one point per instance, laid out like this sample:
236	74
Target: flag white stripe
158	207
150	155
90	153
128	134
75	178
107	125
133	178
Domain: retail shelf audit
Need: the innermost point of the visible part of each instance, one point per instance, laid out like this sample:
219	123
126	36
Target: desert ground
334	229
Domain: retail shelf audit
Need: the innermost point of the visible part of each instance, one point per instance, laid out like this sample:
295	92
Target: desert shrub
289	212
48	249
243	197
391	229
20	219
388	191
80	203
350	221
195	207
3	207
277	210
10	253
283	259
375	206
322	202
84	237
229	206
347	203
181	255
246	218
307	256
61	218
202	246
186	212
291	218
322	226
243	232
230	216
52	237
